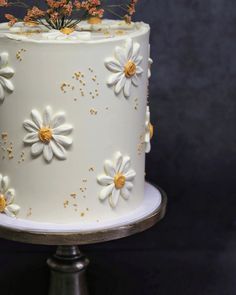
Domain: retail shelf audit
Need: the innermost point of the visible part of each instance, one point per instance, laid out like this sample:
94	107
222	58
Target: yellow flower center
67	31
45	134
119	181
94	20
151	130
130	69
3	203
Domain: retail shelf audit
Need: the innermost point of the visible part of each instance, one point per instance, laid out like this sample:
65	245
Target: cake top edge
84	32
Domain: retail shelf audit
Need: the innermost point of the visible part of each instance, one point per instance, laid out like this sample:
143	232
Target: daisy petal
130	175
47	115
30	126
31	137
120	84
5	183
2	93
104	179
135	80
109	169
118	161
114	198
3	59
106	191
58	150
148	147
125	165
129	48
47	153
37	148
125	193
7	84
138	60
7	72
65	128
37	118
129	185
58	120
63	140
12	210
113	79
120	55
1	190
10	195
127	88
139	70
136	50
113	65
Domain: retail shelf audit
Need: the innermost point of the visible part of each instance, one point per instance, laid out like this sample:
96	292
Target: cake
74	121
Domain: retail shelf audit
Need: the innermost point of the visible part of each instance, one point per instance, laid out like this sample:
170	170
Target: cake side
74	129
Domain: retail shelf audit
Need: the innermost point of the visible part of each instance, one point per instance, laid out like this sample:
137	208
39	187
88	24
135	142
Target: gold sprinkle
93	112
73	195
82	214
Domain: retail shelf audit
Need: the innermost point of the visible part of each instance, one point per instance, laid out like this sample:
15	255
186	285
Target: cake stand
68	264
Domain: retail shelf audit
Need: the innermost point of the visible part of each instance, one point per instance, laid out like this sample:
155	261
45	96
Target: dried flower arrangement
60	14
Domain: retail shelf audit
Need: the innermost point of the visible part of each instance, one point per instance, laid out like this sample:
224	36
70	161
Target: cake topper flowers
60	14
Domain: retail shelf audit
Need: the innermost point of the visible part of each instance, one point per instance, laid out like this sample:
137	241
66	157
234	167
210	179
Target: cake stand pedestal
68	264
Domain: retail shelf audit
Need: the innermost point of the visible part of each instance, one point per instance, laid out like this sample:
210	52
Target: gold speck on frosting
119	181
18	54
130	69
2	203
151	130
45	134
67	31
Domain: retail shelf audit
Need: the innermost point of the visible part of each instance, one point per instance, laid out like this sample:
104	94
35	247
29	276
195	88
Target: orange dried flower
11	18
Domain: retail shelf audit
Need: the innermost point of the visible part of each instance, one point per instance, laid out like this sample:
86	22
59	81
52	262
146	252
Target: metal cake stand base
68	264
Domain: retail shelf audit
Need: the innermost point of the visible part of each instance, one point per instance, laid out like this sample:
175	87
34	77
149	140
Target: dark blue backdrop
193	104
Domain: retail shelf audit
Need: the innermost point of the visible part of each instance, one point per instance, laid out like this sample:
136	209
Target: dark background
193	158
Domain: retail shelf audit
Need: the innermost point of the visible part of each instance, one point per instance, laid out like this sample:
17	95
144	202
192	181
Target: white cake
74	122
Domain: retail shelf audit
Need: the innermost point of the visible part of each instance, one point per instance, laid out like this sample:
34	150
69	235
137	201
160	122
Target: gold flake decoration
29	213
65	87
141	144
93	112
6	147
19	54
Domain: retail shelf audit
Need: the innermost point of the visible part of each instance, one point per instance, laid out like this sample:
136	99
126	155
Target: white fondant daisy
117	180
48	134
66	34
6	73
148	131
125	67
7	196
